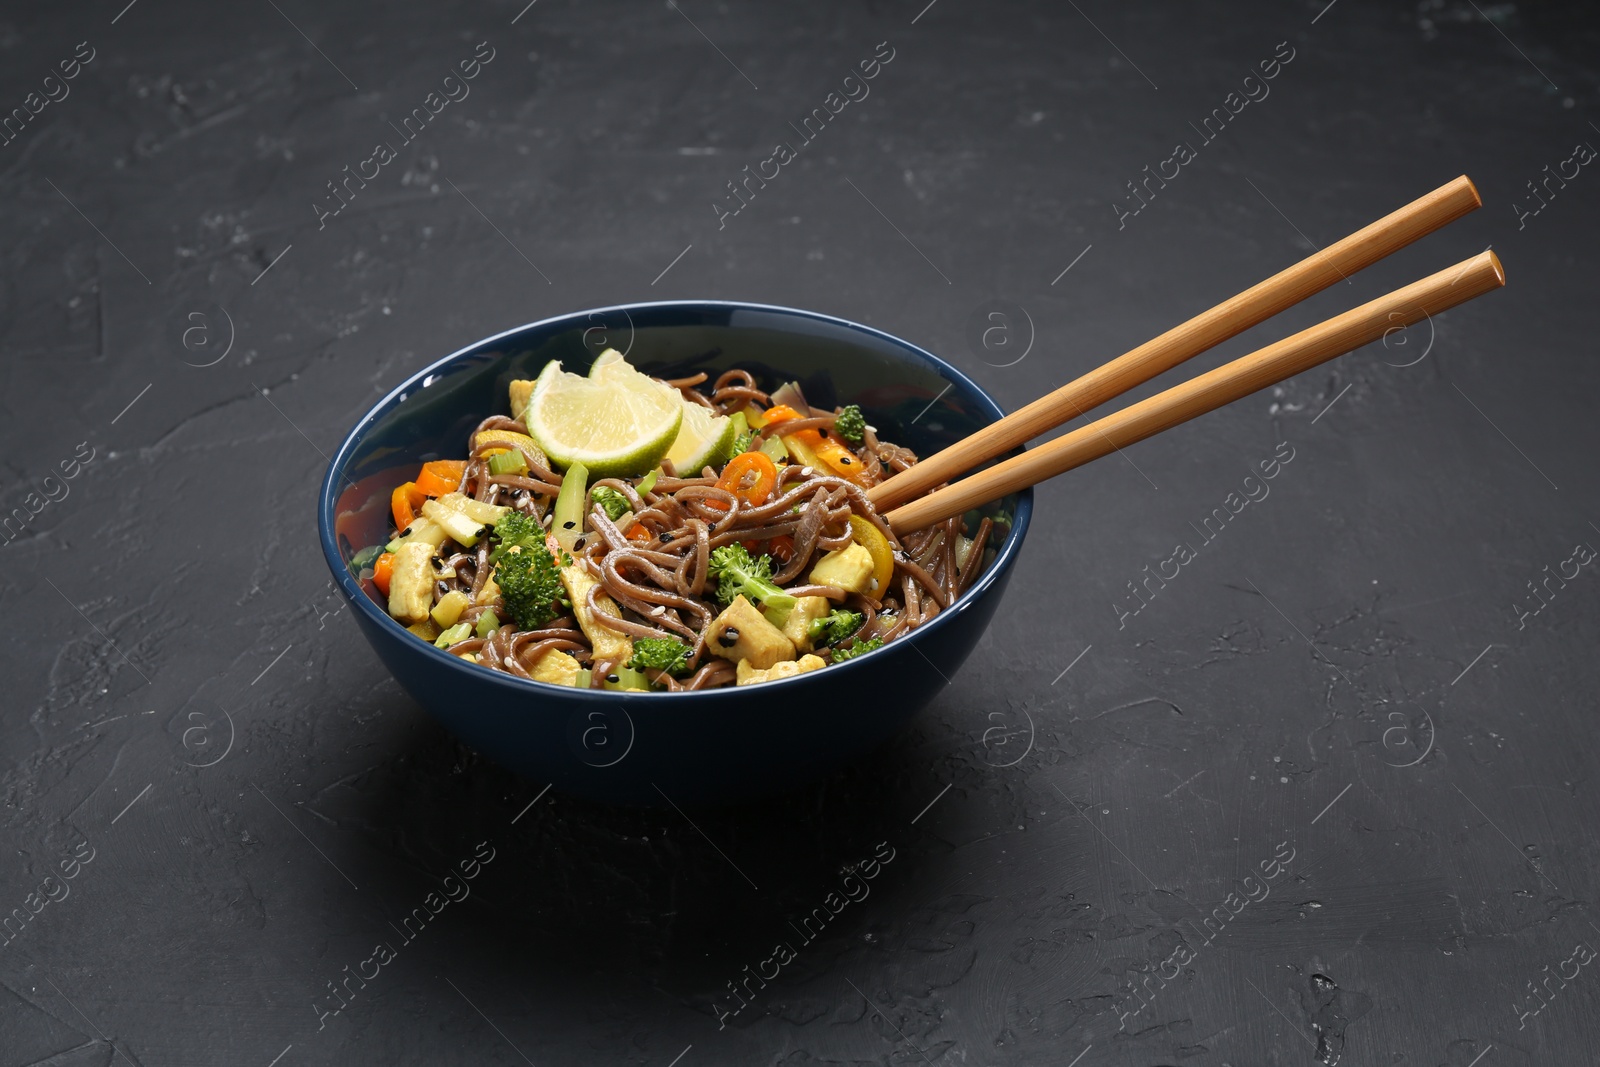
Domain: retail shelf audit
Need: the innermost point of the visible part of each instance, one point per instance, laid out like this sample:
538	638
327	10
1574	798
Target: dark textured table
1325	794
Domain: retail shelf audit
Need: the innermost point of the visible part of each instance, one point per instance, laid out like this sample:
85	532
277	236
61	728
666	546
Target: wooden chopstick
1231	317
1264	367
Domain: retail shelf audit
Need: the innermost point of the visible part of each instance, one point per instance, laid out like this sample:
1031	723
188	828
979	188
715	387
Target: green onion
366	557
459	632
648	482
511	462
488	623
567	524
775	450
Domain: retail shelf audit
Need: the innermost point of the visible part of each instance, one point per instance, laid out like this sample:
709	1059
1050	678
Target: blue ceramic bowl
709	747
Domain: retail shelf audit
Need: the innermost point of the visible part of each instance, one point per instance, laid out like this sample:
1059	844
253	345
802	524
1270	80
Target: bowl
709	747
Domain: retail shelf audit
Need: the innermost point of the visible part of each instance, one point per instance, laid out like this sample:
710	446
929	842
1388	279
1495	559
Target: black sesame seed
845	460
666	538
569	524
613	679
728	638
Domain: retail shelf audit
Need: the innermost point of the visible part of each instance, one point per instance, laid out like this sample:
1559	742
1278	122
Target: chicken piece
745	674
608	644
797	626
743	633
848	568
411	582
557	668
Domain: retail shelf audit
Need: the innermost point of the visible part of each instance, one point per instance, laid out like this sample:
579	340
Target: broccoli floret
516	529
613	503
741	443
737	573
850	424
835	626
530	584
859	648
660	654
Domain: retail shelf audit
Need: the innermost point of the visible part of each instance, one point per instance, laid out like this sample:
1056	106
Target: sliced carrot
638	532
751	476
404	502
441	476
781	548
382	570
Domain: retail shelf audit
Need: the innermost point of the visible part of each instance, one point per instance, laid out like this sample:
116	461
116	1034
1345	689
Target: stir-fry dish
625	532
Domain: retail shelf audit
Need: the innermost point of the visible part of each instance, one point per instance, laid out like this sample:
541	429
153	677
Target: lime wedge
618	425
704	440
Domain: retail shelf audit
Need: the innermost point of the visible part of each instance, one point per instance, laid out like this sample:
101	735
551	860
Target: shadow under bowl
708	747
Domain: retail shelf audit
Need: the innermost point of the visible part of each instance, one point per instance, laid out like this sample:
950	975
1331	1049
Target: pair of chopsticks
902	498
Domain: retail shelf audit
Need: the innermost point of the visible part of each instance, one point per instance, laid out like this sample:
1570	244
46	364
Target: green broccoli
835	626
737	573
858	648
613	503
660	654
850	424
515	528
530	584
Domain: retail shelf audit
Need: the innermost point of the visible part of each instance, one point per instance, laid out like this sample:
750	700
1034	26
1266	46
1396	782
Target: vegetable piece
851	424
963	550
403	504
751	476
858	648
424	530
441	476
808	611
457	524
530	584
613	503
382	569
557	668
488	623
511	462
411	582
745	674
774	450
742	433
660	654
607	643
425	630
450	607
869	537
628	680
738	574
837	626
366	557
516	529
849	568
508	441
813	449
743	633
459	632
567	524
640	533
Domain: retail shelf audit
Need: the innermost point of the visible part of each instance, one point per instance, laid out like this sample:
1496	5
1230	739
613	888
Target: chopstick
1231	317
1213	389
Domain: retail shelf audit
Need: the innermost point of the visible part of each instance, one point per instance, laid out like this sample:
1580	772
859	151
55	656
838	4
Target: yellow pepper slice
871	538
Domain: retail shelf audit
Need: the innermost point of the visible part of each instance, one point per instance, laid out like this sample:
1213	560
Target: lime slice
704	440
618	425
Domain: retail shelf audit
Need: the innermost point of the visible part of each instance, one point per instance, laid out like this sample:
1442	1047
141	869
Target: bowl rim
328	495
